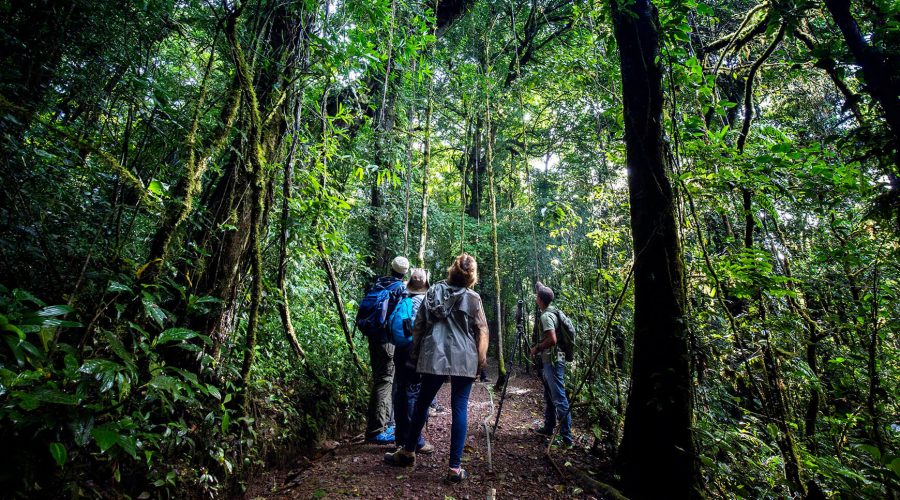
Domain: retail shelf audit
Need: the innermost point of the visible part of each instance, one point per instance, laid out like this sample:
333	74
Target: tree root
586	482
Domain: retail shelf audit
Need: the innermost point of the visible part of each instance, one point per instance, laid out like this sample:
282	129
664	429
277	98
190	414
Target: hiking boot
384	437
454	477
425	449
542	431
400	458
563	444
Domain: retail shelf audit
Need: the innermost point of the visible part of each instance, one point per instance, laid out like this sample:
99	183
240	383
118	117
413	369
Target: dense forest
196	194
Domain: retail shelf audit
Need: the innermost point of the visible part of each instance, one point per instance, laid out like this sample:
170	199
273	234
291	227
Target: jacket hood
442	298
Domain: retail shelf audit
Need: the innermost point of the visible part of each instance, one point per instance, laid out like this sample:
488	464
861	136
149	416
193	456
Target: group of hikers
422	335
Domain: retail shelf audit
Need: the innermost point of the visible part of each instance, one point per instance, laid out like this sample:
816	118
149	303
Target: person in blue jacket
406	381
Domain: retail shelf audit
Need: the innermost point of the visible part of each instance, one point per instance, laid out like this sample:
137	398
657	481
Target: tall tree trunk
378	257
463	180
877	69
501	363
234	200
476	168
660	409
777	409
410	140
245	77
426	162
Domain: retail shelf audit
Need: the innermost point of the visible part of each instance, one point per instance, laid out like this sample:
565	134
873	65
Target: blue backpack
375	307
402	320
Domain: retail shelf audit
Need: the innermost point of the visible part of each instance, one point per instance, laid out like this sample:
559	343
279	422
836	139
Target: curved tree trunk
284	306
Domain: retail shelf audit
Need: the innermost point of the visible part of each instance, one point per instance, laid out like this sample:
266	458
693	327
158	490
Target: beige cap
418	281
400	265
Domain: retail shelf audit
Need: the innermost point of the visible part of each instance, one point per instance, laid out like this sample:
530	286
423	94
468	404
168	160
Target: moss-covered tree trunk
237	201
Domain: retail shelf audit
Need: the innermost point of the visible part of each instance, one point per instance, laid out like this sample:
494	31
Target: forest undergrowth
195	196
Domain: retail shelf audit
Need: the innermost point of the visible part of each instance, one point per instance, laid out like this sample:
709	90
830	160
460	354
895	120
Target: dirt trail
520	468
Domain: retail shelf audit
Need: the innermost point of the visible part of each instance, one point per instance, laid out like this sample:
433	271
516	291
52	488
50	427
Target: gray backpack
565	335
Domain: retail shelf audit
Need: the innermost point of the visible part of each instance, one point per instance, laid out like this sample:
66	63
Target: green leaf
895	466
176	335
59	453
165	383
154	311
156	188
105	436
52	311
119	349
7	327
129	444
115	286
213	391
871	450
81	430
26	401
50	395
103	370
23	296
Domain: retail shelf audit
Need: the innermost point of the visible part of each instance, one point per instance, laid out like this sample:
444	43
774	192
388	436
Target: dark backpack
565	335
375	308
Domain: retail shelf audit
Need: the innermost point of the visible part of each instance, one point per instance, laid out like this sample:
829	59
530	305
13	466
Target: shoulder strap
562	318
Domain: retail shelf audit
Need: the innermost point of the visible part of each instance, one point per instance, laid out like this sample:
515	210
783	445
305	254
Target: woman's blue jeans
460	387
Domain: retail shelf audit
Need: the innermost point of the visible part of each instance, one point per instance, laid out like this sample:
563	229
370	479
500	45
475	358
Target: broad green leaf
129	444
871	450
115	286
59	453
213	391
119	349
166	383
154	311
176	335
50	395
81	429
105	436
895	466
51	311
156	188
